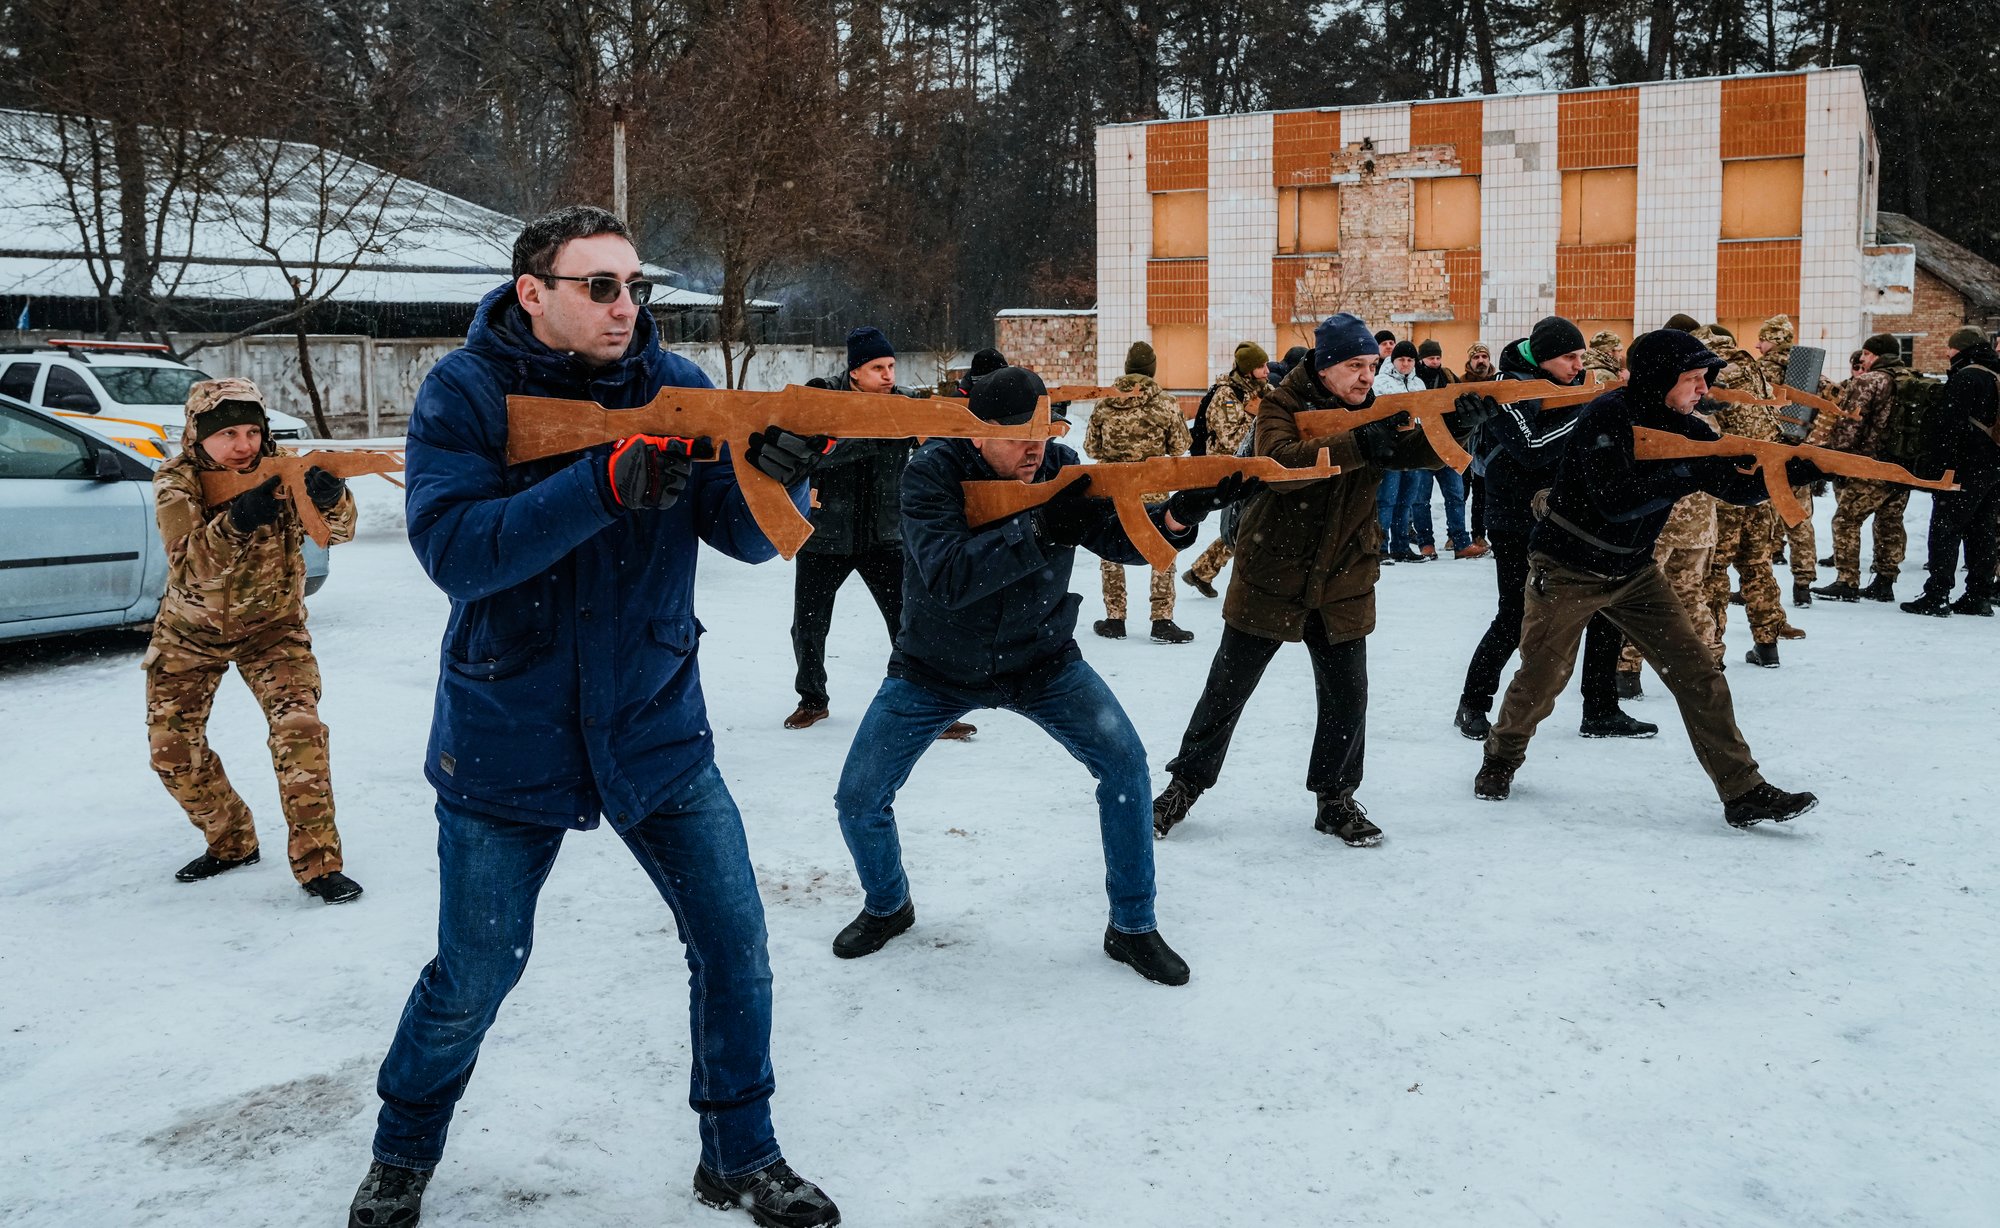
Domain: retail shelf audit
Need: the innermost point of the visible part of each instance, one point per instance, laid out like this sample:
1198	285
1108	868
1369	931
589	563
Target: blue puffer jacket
568	686
988	617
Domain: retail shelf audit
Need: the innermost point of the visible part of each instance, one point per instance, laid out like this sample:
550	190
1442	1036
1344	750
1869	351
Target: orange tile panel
1459	124
1597	128
1595	281
1177	156
1302	147
1177	292
1764	117
1757	279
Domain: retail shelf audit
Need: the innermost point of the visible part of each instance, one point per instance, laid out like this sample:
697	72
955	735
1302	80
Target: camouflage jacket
1744	373
1144	422
223	585
1604	368
1231	411
1867	398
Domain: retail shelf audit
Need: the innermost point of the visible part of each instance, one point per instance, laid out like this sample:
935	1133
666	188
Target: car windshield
147	385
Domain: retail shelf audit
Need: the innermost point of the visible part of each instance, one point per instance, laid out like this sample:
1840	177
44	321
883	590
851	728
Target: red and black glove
651	471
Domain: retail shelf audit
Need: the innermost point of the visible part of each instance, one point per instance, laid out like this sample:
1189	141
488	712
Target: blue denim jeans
1393	508
1451	483
490	871
1076	709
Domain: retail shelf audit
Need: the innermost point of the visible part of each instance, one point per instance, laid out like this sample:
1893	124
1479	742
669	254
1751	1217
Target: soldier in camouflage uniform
1141	422
1684	549
1232	407
236	593
1743	535
1774	345
1602	358
1868	399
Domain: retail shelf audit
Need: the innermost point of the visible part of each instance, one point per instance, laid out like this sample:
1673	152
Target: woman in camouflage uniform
236	593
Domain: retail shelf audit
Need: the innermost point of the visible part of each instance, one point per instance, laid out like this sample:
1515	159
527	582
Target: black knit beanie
1553	337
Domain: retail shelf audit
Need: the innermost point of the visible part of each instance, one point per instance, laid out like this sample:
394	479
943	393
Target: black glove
1377	440
255	508
1189	506
790	459
651	471
1801	472
1068	517
323	488
1469	413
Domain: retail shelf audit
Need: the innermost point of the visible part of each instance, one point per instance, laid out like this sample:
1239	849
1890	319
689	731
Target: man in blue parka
989	621
568	691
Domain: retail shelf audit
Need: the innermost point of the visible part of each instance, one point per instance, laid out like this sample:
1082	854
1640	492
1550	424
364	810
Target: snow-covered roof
408	242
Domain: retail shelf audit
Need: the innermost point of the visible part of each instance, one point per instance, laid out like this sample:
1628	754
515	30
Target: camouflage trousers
1114	591
1212	561
280	671
1743	540
1859	500
1686	571
1801	542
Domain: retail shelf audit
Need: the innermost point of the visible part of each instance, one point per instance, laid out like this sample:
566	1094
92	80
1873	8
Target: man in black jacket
1517	452
856	528
1971	514
989	621
1591	552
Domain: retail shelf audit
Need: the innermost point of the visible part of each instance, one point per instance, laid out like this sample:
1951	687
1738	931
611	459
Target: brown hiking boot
1495	780
1198	584
958	731
1789	632
806	717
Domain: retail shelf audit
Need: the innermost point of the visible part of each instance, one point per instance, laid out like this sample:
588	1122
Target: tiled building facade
1730	199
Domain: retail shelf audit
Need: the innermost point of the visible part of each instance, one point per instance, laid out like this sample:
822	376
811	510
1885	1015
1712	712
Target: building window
1907	344
1600	206
1180	224
1763	198
1447	213
1308	220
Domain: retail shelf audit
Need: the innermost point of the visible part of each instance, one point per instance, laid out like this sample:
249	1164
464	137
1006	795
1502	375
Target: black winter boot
1881	588
1340	815
1472	722
868	933
1165	632
1146	954
1197	583
1173	805
1615	724
1839	590
1927	602
1765	655
1766	802
1801	595
389	1197
1628	684
1109	628
775	1197
333	887
1495	780
1977	607
206	866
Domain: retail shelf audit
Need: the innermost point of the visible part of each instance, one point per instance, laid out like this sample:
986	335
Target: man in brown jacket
236	584
1307	559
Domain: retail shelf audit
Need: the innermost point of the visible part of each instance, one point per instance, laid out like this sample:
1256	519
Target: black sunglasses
604	289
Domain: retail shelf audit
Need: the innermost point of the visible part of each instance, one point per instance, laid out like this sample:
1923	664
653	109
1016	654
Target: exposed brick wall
1937	312
1062	349
1375	275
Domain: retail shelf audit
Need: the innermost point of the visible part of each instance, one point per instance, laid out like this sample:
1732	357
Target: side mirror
106	467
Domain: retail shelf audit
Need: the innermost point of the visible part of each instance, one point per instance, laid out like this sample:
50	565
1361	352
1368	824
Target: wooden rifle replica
1126	483
1062	394
540	427
1429	407
221	485
1649	444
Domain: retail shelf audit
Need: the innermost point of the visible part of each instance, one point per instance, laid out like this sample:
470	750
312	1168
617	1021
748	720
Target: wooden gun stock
1126	483
539	427
222	485
1769	460
1431	405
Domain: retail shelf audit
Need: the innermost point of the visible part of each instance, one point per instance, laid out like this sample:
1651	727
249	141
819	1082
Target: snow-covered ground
1593	1005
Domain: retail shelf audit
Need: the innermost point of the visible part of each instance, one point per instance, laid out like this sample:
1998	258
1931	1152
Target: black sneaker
1766	802
1736	598
389	1197
1109	628
207	866
1198	584
1765	655
1977	607
1495	780
1472	722
1839	590
1801	596
1615	724
868	933
1407	556
333	887
1933	604
774	1195
1340	815
1165	632
1146	954
1172	805
1881	588
1827	561
1628	685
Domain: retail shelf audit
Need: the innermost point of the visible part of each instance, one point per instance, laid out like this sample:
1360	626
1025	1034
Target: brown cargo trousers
1560	601
1160	591
1685	569
279	668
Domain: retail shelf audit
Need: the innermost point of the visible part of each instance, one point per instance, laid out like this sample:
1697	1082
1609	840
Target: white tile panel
1680	202
1387	123
1520	214
1838	208
1124	241
1242	235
